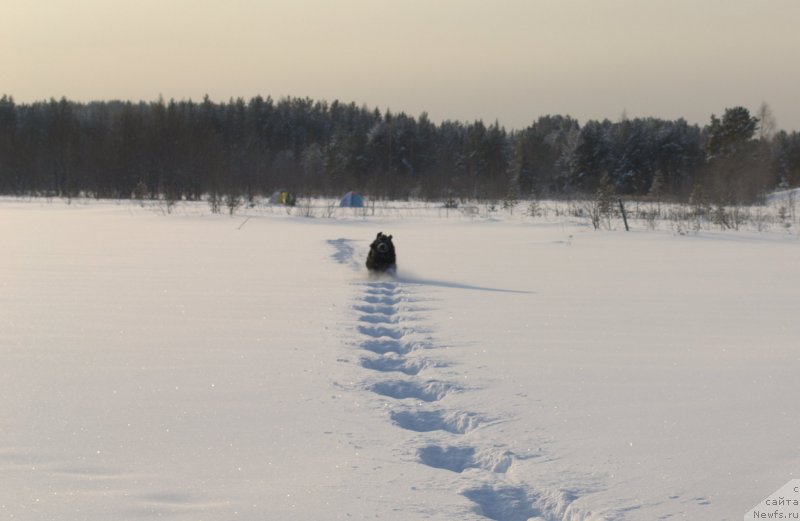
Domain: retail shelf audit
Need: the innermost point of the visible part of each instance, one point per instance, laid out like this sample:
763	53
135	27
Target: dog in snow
382	257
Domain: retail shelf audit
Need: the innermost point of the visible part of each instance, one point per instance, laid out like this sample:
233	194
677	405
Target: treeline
188	150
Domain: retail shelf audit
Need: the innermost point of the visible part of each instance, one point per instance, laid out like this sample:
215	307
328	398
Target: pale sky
505	60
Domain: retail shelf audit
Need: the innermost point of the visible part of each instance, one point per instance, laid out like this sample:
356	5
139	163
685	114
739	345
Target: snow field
187	366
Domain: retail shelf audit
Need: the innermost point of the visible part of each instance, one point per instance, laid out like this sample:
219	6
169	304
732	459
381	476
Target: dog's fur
382	257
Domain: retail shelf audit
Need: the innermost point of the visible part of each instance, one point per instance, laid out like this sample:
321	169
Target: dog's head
381	253
382	246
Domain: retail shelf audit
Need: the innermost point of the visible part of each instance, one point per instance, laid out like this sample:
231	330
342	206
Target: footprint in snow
379	319
380	331
431	391
388	345
504	503
382	299
373	309
388	363
459	459
456	422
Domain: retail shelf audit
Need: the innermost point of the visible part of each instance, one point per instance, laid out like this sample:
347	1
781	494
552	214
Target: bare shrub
534	208
651	217
232	203
305	207
215	202
329	211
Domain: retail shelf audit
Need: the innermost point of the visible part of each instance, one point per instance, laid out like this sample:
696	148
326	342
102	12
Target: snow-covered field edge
780	212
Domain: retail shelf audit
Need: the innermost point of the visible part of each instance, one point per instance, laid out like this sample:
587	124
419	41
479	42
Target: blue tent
352	200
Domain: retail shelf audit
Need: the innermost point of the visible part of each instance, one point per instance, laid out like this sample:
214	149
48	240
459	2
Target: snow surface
199	367
784	197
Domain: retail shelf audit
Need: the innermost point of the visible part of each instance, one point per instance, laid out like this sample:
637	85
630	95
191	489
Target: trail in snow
393	346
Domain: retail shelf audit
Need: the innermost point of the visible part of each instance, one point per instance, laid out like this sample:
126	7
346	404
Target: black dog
382	258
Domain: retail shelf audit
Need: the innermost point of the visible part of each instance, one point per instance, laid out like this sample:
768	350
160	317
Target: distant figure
382	258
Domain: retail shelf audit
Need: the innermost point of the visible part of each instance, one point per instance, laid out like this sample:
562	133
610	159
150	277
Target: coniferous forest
189	150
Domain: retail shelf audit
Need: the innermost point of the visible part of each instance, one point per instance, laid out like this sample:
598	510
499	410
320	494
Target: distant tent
279	197
352	200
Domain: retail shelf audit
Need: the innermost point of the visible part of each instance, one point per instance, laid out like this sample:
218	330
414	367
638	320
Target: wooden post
624	217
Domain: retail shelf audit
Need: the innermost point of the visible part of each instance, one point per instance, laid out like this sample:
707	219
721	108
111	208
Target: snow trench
400	371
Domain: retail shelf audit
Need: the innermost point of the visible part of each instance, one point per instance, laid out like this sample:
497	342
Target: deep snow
201	367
